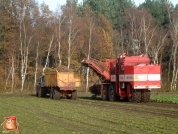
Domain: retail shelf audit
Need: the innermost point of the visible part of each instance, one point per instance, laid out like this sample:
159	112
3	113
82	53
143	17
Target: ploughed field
88	116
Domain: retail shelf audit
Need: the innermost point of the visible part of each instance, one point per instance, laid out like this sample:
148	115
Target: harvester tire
74	95
104	94
56	95
136	96
145	96
112	93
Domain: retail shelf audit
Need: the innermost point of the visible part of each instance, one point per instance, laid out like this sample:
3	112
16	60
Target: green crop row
165	97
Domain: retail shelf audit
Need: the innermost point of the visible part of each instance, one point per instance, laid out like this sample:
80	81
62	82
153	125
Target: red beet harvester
127	77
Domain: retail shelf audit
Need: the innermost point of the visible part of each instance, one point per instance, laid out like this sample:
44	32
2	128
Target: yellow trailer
58	83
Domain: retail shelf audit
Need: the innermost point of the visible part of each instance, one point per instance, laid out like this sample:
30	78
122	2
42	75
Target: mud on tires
145	96
112	93
42	91
136	96
105	95
74	95
56	94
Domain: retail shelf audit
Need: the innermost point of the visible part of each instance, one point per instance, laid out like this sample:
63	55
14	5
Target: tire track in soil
68	124
162	105
152	107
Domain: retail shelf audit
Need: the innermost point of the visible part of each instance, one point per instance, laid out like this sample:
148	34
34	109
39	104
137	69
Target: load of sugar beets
57	83
126	77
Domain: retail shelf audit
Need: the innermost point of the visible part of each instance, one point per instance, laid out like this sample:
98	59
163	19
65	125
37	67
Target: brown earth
152	108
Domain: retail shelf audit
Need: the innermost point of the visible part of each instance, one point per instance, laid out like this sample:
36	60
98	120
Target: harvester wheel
145	96
104	94
56	95
112	94
136	96
74	95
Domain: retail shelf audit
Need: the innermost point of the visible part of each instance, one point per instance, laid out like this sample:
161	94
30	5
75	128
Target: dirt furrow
162	110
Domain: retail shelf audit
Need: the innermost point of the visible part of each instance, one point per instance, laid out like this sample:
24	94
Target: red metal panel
154	69
135	70
128	69
142	69
146	83
136	60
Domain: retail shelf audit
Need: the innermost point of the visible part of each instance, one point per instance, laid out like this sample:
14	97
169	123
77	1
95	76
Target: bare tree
148	33
12	75
156	47
59	34
24	47
36	65
47	57
173	18
72	25
140	30
91	25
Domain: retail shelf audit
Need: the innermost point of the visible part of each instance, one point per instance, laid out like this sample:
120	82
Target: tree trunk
36	66
47	58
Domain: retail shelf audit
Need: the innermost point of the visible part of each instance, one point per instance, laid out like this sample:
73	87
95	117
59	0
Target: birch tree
173	18
59	34
24	46
36	65
143	28
89	22
148	33
47	57
157	46
72	25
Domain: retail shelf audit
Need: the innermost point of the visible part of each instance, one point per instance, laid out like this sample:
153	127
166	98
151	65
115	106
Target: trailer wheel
51	94
104	94
136	96
145	96
112	94
74	95
56	95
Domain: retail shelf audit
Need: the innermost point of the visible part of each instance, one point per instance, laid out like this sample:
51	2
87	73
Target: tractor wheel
136	96
37	90
145	96
56	95
51	93
36	94
104	94
74	95
112	93
41	92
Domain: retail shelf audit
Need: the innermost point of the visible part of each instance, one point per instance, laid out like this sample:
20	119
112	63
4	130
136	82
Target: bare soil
152	108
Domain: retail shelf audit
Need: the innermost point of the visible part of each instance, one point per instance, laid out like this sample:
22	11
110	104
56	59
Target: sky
53	4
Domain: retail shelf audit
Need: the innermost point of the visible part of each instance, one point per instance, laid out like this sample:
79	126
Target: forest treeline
32	37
